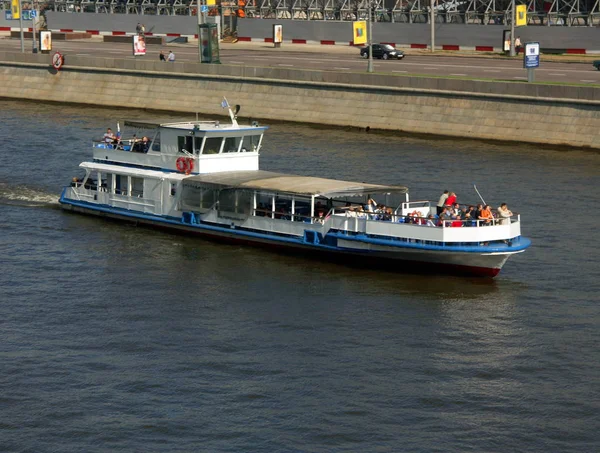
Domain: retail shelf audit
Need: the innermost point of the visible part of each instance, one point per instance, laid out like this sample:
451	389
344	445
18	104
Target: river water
119	338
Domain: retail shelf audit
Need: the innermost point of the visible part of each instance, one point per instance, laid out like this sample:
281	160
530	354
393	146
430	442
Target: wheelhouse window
250	143
185	144
232	144
212	145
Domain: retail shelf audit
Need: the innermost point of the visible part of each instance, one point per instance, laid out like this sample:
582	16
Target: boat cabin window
137	187
232	144
185	144
121	185
156	142
250	143
235	203
198	198
212	145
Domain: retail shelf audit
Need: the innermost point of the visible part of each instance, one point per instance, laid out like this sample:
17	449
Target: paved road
342	58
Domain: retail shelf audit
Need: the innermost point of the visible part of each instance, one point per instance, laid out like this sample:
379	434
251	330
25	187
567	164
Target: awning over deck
290	184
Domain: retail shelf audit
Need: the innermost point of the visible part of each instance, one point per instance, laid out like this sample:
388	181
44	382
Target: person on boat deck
442	202
109	137
486	215
145	144
505	214
430	221
456	222
470	210
371	205
475	214
456	210
445	216
451	200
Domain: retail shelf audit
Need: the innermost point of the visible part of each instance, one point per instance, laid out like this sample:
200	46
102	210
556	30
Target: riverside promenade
564	115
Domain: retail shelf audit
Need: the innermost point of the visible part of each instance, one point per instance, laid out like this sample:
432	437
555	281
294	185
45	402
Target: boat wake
22	195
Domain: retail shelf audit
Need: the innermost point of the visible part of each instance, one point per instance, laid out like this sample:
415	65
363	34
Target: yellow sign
16	11
359	32
521	11
211	2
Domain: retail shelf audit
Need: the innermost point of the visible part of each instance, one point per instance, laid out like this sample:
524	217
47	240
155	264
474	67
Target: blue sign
8	15
531	56
203	8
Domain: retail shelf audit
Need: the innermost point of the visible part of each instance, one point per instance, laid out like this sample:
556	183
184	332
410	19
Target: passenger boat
203	178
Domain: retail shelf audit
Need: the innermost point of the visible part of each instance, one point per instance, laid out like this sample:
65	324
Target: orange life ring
181	164
189	166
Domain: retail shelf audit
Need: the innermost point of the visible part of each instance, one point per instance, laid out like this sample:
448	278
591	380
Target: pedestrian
138	28
161	56
171	57
143	30
518	45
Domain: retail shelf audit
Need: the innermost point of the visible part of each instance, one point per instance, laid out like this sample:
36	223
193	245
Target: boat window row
125	185
217	145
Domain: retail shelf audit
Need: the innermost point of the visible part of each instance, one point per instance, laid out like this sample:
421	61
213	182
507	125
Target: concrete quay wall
570	118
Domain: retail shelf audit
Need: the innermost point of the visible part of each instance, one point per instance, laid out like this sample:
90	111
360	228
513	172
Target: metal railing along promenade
480	12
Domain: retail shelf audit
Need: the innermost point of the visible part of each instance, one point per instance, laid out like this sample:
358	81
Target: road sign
203	8
8	15
531	57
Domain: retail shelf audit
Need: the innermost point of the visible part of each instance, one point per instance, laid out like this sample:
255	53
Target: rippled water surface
118	338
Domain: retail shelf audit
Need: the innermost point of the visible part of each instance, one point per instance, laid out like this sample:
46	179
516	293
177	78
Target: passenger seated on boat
281	215
456	222
360	213
76	182
350	212
445	217
468	220
470	210
430	221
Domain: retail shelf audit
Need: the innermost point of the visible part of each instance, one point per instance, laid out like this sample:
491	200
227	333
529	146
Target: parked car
385	51
596	63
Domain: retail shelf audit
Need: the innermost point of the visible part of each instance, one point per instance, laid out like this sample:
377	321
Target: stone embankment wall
485	110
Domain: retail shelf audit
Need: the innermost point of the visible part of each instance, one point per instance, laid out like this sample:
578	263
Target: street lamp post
21	26
200	22
512	28
432	20
33	18
370	63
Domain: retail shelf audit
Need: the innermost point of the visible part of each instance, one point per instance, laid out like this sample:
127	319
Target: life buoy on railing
181	164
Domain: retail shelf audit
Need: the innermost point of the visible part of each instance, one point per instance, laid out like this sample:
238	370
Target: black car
384	51
595	63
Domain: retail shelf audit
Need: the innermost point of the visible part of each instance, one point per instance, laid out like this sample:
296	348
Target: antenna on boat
482	200
226	105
